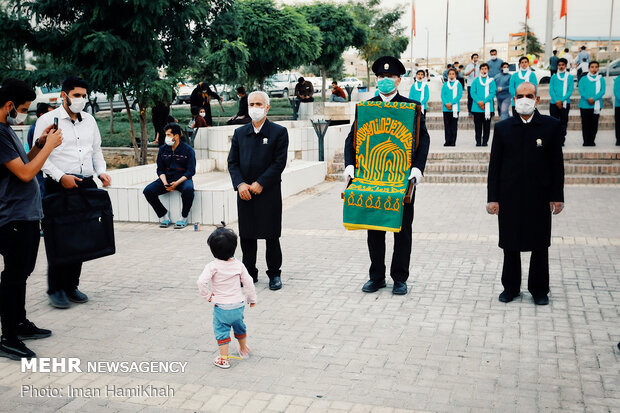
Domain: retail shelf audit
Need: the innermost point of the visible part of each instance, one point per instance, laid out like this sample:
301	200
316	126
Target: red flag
527	9
413	16
486	10
563	11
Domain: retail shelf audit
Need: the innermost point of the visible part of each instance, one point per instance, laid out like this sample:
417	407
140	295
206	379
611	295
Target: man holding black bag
71	167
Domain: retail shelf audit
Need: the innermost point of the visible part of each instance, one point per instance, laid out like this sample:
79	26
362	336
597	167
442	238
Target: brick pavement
320	344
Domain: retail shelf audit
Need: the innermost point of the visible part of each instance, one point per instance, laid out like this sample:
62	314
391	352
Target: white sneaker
221	362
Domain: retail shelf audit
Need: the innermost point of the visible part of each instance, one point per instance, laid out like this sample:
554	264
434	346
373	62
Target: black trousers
450	126
482	127
617	119
65	277
273	256
589	126
562	116
19	245
399	270
538	277
470	100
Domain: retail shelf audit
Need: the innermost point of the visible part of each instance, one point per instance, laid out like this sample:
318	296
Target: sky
585	18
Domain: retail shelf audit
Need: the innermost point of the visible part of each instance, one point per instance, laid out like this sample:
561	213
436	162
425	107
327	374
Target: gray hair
530	84
264	95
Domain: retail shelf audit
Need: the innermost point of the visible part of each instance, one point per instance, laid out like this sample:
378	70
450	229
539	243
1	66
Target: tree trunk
144	137
323	82
111	100
132	130
367	75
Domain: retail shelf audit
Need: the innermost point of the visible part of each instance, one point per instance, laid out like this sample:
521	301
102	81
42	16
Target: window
53	89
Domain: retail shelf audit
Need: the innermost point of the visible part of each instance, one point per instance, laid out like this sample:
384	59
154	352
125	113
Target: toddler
226	275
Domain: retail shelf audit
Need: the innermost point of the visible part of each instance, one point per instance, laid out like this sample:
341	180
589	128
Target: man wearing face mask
523	74
388	70
256	160
72	167
176	166
483	91
525	187
560	89
591	89
495	64
472	71
242	117
502	80
20	212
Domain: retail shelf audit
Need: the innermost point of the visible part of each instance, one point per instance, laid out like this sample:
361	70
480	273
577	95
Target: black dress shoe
15	350
373	286
541	300
28	331
400	288
275	283
506	297
76	296
59	299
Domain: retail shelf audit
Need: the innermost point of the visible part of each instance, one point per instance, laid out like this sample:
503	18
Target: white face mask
257	114
18	119
203	114
506	70
525	106
77	105
169	141
493	57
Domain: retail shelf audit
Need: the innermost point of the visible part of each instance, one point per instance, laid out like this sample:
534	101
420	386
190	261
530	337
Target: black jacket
259	158
526	173
419	156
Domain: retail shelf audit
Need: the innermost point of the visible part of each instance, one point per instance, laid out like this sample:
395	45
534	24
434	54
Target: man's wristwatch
38	145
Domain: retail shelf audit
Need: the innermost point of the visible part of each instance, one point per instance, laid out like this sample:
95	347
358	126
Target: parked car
184	91
46	94
281	84
542	76
613	67
317	83
350	81
226	92
98	101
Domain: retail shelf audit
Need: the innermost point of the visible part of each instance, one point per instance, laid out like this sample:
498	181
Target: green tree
385	35
533	45
277	38
122	45
339	31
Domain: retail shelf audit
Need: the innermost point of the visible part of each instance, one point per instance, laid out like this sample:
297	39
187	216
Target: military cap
388	64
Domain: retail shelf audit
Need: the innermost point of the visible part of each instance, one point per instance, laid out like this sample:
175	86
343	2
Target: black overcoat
526	173
259	158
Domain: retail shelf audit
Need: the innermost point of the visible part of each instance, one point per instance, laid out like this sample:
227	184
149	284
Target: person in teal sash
523	74
561	88
419	90
591	90
483	91
451	93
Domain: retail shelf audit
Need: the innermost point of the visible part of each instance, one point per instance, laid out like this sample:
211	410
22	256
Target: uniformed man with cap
388	70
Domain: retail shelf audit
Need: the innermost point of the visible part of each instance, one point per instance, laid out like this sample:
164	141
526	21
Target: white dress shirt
388	98
80	152
526	120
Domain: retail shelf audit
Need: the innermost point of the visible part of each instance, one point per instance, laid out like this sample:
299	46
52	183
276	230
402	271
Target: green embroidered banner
383	144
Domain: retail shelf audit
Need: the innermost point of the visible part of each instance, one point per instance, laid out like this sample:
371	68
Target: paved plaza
320	344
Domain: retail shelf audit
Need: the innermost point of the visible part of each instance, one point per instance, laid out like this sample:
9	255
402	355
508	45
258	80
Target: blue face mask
386	85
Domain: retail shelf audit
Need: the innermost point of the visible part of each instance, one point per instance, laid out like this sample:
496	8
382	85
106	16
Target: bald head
526	89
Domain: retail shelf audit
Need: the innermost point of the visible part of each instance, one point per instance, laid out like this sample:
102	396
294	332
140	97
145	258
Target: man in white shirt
72	166
472	71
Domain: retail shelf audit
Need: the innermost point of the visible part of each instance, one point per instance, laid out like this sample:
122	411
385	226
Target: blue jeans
157	188
504	106
334	98
223	320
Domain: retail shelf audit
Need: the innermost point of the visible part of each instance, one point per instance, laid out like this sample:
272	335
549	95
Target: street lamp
427	42
320	128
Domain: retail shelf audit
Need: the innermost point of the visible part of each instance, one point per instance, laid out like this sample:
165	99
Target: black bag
78	226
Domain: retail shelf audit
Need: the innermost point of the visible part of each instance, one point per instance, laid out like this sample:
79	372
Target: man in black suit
525	187
256	160
388	70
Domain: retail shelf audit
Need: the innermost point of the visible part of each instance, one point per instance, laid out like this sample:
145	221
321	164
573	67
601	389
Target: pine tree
533	45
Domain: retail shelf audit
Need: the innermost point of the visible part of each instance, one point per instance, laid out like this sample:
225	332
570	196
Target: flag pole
484	29
412	24
445	62
526	30
611	21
